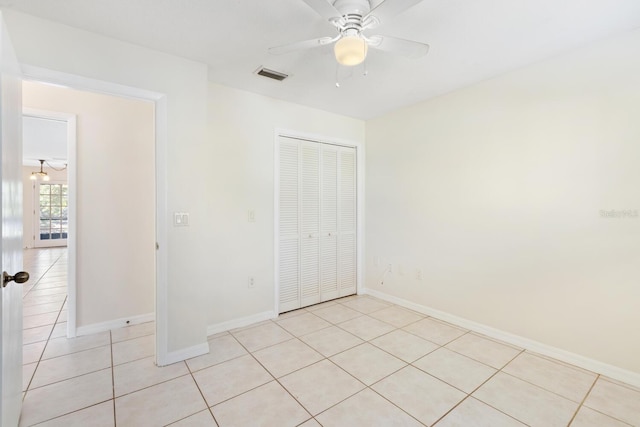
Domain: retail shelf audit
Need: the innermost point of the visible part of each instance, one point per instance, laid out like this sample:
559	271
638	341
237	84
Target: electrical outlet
251	282
390	268
251	216
400	269
418	274
376	261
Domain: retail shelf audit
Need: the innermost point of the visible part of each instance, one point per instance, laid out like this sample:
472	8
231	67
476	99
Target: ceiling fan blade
408	48
323	8
390	8
305	44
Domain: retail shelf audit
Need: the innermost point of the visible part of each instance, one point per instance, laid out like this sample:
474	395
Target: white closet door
347	221
317	223
310	214
289	241
329	224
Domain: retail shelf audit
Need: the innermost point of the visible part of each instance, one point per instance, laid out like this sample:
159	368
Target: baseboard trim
185	353
611	371
240	323
114	324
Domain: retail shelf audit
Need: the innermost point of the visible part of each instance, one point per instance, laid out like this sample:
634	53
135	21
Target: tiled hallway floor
357	361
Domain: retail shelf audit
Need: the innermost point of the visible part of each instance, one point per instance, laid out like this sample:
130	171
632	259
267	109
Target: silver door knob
20	277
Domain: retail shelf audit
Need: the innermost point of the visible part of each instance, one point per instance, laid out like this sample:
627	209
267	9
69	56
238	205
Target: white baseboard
614	372
184	354
241	322
115	324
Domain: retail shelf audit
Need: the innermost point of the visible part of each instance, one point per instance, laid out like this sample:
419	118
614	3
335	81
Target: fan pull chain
337	75
365	72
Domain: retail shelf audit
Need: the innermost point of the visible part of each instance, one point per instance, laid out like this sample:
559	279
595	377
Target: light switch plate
180	219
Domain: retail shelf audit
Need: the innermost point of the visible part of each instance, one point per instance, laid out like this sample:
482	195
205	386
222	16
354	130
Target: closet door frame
360	173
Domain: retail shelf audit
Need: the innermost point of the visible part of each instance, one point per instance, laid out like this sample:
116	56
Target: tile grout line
339	367
274	378
43	274
539	386
209	408
348	373
575	414
43	350
42	354
470	395
113	381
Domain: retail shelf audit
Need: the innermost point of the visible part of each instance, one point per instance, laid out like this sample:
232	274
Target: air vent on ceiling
265	72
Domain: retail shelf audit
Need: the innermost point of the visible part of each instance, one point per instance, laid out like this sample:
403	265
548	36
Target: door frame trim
360	202
45	75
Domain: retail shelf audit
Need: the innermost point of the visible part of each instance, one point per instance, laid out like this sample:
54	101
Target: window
53	220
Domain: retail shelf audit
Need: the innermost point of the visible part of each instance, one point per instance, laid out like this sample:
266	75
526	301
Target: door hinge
157	246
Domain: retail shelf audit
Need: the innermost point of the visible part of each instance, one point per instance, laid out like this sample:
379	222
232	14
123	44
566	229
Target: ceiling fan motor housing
353	7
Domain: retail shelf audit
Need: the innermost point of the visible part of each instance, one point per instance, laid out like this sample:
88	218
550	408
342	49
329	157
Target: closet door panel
288	227
329	224
310	224
289	277
329	267
347	190
347	273
347	222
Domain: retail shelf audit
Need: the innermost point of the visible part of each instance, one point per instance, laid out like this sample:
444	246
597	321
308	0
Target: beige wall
495	192
115	200
241	128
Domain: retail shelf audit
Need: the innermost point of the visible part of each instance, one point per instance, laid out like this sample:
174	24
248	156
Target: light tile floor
357	361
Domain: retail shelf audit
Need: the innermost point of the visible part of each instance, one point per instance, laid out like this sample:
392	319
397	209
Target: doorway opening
48	172
109	216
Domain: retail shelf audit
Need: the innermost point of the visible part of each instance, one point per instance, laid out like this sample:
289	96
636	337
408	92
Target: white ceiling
43	138
471	40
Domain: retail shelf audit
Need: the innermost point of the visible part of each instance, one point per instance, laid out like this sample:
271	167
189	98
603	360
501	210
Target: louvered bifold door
347	224
310	223
329	223
289	215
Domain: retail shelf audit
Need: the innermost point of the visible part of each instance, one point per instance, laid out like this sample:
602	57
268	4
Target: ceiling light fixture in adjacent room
40	174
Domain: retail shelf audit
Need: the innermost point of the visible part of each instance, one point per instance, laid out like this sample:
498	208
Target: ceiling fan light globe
350	50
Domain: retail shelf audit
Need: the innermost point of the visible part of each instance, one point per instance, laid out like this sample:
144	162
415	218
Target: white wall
495	192
242	128
115	200
29	202
45	44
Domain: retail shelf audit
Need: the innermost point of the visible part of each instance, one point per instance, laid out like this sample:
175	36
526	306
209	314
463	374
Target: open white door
10	232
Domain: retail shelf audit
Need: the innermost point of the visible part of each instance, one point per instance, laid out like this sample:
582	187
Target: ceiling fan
351	18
